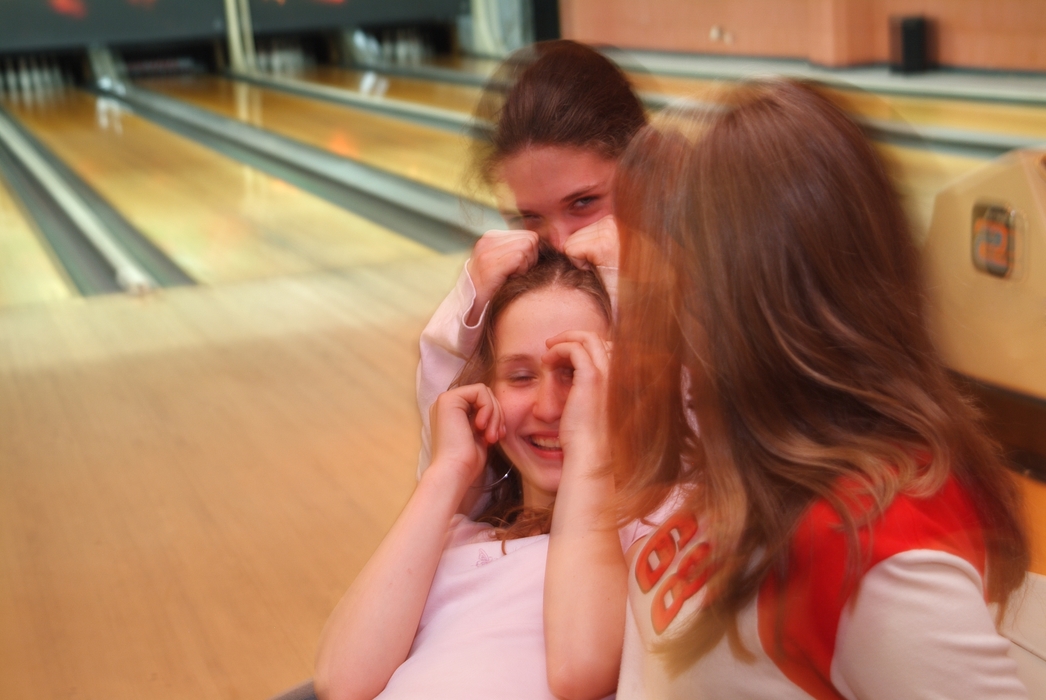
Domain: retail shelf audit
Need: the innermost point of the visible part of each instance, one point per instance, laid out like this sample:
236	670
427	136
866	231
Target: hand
497	256
583	424
465	421
594	246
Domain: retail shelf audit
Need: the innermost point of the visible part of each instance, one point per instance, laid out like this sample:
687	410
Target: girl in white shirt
453	607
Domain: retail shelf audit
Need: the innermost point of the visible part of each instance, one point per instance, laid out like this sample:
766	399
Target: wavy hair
766	259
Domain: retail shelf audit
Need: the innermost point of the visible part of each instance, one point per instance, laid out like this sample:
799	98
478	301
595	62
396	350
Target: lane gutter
129	275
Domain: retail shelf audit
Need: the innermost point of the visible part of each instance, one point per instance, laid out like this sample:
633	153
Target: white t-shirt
481	634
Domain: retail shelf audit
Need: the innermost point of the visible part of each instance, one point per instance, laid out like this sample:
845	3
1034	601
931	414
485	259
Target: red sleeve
799	614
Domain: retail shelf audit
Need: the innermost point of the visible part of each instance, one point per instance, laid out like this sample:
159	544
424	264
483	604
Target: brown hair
552	270
554	93
770	261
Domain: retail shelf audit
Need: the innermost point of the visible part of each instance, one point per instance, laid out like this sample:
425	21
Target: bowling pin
36	75
46	76
24	81
10	77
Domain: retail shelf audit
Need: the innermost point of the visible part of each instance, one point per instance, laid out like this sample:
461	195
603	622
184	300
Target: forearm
444	344
585	588
372	628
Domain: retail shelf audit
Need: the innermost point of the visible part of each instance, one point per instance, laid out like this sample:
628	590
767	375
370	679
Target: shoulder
464	530
800	610
945	521
663	519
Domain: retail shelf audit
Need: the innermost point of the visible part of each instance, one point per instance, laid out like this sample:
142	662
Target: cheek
513	407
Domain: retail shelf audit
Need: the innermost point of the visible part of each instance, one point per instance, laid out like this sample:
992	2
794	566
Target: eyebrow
513	358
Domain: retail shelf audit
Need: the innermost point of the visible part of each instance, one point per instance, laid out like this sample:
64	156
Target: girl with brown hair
841	522
455	607
560	115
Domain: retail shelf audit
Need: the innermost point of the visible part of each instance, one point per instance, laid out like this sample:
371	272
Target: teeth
548	443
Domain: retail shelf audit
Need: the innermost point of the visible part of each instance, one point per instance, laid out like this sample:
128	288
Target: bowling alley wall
988	34
33	25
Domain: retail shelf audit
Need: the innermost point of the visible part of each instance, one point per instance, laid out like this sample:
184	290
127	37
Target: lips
545	443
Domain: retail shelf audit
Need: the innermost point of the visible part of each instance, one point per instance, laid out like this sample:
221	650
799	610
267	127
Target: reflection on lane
982	117
218	220
430	156
431	93
968	115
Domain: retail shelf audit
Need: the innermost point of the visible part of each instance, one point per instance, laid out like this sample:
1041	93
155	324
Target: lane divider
130	276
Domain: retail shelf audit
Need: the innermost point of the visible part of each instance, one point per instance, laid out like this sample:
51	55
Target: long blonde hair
769	261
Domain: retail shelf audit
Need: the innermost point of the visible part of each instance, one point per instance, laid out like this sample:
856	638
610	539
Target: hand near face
497	256
465	421
595	246
582	426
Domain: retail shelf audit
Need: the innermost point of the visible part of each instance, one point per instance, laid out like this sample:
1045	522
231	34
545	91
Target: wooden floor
972	115
189	481
438	158
459	98
218	219
432	156
969	115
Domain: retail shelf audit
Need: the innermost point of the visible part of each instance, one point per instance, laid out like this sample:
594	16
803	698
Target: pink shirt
481	634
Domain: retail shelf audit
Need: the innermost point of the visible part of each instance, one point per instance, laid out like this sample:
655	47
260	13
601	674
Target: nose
550	399
557	234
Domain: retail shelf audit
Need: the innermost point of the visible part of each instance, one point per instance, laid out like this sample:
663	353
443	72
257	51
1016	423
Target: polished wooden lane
483	67
431	156
440	159
431	93
219	220
28	272
189	481
969	115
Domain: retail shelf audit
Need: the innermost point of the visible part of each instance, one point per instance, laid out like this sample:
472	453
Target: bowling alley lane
220	221
28	274
969	115
431	156
921	173
431	93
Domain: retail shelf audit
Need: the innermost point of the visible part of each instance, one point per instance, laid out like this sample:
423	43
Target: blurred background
224	223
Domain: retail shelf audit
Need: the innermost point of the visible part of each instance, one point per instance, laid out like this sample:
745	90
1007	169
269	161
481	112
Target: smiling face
532	394
556	190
